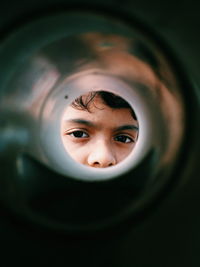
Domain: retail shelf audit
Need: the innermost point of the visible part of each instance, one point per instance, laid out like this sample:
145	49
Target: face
101	137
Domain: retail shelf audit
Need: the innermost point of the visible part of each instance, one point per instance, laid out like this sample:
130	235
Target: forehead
100	113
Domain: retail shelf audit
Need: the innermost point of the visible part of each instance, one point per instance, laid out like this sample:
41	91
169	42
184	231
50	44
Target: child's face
100	138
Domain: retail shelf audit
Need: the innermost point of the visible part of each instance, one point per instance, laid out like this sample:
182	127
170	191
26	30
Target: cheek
122	151
76	151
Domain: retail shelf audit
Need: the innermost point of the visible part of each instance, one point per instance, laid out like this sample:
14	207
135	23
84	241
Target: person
100	129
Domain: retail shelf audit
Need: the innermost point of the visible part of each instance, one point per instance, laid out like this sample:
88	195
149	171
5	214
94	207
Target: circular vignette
31	50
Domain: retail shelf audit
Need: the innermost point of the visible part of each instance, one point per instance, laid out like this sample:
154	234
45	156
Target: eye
123	139
79	134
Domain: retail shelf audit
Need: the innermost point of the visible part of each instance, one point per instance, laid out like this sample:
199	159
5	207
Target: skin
101	137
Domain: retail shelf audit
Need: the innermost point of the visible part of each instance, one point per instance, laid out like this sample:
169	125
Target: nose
101	155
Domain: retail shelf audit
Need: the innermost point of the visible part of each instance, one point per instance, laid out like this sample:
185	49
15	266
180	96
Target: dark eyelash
124	136
79	133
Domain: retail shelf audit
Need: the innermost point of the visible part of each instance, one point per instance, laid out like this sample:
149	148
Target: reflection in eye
124	139
78	134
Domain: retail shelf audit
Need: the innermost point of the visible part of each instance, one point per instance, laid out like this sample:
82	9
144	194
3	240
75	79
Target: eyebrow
91	124
81	121
127	127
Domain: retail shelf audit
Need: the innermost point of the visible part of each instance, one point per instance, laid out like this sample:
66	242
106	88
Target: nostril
96	164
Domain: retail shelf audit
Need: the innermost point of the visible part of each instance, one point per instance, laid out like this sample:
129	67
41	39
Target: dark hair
109	99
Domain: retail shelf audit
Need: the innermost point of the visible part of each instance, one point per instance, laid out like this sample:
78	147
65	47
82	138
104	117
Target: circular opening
83	82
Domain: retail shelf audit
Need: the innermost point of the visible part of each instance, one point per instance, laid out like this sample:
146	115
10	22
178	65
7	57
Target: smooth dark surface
170	235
